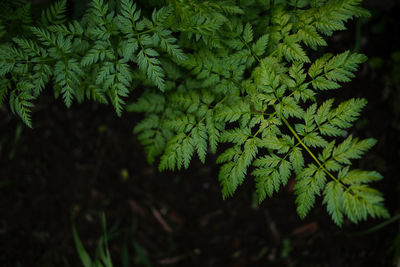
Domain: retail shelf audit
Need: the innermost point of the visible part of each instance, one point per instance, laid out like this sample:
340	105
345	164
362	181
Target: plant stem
308	150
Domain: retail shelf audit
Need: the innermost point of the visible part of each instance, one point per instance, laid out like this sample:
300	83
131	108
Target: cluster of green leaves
235	72
92	58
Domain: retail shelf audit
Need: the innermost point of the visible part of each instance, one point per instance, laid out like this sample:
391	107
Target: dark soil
79	162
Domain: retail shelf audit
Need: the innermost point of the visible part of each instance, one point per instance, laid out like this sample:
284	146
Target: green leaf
173	156
272	172
285	171
67	77
99	52
21	104
116	92
310	37
327	152
321	83
237	135
267	181
314	140
292	51
297	159
29	47
361	177
271	160
187	150
199	141
232	173
3	90
7	62
248	33
273	142
361	201
46	37
150	64
83	255
310	183
128	49
333	199
167	43
260	46
305	200
347	112
213	131
317	67
55	14
351	148
291	108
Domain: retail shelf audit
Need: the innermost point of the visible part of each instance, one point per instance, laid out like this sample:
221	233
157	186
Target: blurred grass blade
105	253
142	258
379	226
125	255
83	255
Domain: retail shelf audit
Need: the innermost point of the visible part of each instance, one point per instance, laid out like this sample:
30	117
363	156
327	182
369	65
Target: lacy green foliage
235	72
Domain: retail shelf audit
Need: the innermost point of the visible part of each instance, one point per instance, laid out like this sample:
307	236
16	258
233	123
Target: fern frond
248	33
99	52
4	84
204	28
167	43
55	14
128	48
7	59
116	94
360	201
211	72
73	28
347	112
271	173
213	130
21	104
292	51
232	173
128	17
339	68
29	47
150	64
310	182
310	37
334	198
42	76
351	148
46	37
97	94
332	15
260	46
67	76
361	177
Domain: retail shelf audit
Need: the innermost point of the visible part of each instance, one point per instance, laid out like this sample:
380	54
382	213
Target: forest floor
79	162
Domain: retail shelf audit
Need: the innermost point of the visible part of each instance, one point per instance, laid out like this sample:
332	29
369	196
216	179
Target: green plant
102	256
247	73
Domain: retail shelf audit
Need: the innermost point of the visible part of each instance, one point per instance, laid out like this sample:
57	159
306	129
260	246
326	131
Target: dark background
81	161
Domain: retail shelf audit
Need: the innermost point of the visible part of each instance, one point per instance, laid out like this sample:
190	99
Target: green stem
251	51
308	150
144	32
378	227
